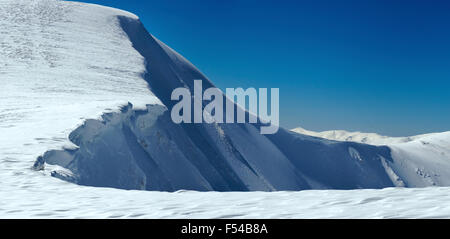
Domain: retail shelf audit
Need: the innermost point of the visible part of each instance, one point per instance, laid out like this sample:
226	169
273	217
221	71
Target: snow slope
68	71
424	161
56	72
419	161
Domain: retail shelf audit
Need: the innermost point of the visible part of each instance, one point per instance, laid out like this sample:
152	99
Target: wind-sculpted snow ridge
144	149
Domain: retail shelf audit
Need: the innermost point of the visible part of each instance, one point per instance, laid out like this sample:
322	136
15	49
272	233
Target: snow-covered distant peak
366	138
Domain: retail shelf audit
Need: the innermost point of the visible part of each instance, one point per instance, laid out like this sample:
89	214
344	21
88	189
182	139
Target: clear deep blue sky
375	66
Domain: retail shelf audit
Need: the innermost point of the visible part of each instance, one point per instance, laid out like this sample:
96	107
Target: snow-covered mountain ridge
422	160
68	67
135	149
360	137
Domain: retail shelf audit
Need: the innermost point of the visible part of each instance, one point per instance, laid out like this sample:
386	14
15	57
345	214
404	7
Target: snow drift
143	149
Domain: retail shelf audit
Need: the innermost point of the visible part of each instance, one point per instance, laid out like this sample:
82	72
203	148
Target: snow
55	69
417	161
68	72
425	161
71	201
61	63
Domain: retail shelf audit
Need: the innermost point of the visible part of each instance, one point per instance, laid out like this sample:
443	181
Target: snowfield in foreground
69	201
69	68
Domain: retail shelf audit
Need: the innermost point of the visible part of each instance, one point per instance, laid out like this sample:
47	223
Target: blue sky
375	66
